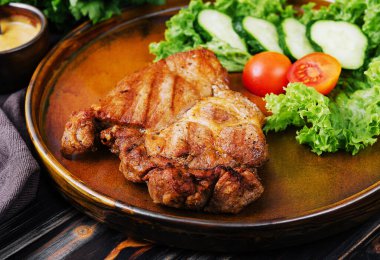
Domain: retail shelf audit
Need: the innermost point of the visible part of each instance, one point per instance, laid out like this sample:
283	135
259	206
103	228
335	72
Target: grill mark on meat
160	113
153	99
173	92
141	101
208	67
148	109
165	111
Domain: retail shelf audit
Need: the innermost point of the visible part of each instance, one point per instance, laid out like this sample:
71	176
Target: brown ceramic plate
306	196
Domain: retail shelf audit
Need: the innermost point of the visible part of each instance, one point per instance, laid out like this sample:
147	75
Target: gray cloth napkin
19	171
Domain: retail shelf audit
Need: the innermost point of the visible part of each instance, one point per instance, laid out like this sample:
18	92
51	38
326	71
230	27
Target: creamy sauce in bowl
16	31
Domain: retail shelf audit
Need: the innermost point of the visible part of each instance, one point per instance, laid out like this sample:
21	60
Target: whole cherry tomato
266	73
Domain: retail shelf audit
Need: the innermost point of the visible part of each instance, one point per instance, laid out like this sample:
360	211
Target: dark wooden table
50	228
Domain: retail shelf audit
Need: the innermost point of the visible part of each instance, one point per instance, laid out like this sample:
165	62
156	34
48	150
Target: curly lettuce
350	121
351	11
371	26
358	116
373	72
346	120
307	109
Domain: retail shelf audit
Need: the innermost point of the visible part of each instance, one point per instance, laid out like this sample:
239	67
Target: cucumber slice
219	25
294	40
342	40
263	35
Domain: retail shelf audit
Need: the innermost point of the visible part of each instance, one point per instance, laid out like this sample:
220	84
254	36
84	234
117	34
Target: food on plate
260	34
176	126
348	30
342	40
318	70
348	119
266	73
265	25
350	123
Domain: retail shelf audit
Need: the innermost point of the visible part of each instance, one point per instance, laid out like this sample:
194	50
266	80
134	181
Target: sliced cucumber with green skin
261	34
293	39
219	25
342	40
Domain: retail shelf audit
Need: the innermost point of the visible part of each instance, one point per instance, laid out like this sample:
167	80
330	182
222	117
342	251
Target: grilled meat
176	126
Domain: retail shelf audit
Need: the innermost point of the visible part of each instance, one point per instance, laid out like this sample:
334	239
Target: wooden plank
37	232
365	242
82	237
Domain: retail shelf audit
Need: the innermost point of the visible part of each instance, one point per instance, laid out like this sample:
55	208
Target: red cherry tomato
318	70
266	73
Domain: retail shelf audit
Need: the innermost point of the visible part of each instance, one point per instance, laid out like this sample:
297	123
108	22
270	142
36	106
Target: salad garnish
345	113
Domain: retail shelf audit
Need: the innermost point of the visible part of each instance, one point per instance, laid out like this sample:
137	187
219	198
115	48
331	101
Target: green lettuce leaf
270	10
359	118
351	122
341	10
373	72
371	26
307	109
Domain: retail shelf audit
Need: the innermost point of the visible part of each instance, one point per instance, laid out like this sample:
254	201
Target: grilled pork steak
176	126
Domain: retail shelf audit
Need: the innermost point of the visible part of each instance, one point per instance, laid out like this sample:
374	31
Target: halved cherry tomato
266	73
318	70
